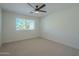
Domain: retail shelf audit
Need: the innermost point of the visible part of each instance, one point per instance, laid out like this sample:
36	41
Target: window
23	24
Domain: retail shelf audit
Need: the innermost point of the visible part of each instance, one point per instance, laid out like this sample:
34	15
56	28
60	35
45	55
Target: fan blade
41	6
42	11
30	5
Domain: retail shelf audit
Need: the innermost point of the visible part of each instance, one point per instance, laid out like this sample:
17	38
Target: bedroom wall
0	26
9	28
62	27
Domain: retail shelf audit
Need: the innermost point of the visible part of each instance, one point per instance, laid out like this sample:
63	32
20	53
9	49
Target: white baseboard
20	39
64	43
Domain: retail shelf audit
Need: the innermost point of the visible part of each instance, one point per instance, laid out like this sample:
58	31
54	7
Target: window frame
34	22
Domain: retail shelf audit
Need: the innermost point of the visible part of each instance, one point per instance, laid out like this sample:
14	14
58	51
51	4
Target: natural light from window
24	24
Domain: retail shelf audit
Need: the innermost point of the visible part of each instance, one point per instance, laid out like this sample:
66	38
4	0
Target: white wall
9	28
0	27
62	27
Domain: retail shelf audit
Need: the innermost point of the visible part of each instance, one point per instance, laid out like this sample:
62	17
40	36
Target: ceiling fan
37	9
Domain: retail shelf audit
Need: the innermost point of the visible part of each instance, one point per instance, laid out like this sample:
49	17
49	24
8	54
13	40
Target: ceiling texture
25	9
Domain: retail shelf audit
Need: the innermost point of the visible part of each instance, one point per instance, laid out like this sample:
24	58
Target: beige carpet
37	47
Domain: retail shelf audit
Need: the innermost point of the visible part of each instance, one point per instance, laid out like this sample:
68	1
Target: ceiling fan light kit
37	12
37	9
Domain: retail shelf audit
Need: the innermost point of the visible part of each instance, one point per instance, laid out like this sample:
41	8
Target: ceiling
24	8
